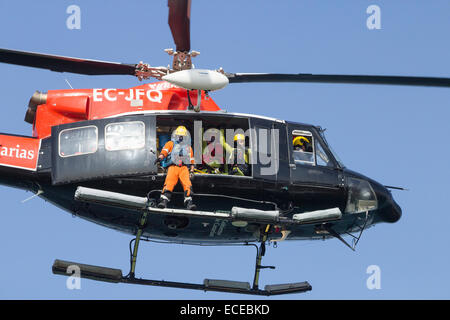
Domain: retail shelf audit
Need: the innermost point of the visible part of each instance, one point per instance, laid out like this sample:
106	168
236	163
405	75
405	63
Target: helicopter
278	206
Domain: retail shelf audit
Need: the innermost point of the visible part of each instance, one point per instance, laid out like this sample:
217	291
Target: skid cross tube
139	232
261	252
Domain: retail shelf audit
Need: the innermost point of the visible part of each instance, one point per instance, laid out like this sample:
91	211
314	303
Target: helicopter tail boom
18	160
19	152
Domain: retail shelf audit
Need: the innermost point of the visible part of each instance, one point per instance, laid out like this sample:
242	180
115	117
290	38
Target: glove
157	160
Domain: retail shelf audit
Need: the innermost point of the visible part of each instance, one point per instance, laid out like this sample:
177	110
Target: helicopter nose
389	210
367	194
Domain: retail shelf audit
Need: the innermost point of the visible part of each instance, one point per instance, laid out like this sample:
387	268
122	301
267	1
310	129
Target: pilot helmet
300	141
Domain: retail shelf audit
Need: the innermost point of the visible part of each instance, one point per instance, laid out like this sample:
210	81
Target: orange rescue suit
177	172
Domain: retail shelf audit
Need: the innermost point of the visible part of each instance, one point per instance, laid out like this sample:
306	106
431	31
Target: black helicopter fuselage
90	154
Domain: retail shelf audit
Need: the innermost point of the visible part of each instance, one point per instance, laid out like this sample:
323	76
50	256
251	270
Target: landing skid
266	218
115	275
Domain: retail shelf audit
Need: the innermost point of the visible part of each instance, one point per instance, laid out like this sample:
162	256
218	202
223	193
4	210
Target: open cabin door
104	148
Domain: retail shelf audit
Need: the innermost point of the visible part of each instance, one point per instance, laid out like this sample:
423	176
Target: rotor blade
337	78
179	22
65	64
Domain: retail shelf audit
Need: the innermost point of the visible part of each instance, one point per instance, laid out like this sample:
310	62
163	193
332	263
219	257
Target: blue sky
395	135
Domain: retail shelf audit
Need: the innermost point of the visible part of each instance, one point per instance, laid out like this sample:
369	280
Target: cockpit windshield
322	134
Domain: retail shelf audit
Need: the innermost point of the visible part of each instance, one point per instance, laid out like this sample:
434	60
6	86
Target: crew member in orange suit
179	150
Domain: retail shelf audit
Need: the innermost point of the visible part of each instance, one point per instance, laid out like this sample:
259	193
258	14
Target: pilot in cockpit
302	149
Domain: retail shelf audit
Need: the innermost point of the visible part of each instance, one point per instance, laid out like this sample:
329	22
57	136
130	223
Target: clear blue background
395	135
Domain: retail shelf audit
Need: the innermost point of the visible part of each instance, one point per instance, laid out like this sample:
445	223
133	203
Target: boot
164	200
189	204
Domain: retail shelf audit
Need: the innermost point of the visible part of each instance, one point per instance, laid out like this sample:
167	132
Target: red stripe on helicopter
19	152
66	106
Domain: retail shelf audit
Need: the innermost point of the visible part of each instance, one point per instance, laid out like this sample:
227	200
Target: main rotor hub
145	71
182	60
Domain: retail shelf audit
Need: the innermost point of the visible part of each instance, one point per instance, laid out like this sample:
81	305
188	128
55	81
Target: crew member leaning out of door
181	156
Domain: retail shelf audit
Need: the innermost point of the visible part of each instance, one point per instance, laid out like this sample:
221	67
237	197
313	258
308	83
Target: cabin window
303	147
124	136
78	141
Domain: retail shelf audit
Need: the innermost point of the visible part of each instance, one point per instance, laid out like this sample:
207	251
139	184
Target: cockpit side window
303	147
321	156
322	134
